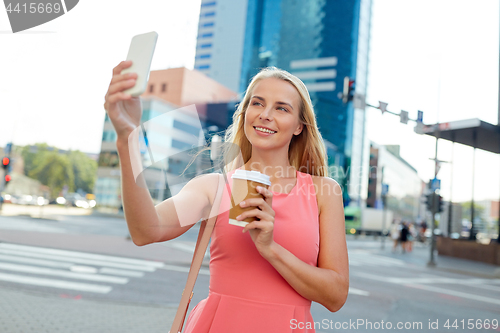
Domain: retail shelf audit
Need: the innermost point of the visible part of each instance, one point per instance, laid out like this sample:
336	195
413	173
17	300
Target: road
89	258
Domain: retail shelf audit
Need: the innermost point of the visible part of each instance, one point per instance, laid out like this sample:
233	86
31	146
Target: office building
181	109
181	86
404	185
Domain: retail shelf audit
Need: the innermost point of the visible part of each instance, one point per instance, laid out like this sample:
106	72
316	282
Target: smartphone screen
141	53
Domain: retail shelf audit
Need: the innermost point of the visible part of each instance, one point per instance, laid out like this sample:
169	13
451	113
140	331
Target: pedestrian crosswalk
71	270
360	257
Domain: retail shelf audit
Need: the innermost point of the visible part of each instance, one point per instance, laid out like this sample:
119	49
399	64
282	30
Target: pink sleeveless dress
246	293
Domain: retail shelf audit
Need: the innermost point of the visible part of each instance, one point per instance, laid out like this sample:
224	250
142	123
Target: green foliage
479	210
32	159
84	169
55	170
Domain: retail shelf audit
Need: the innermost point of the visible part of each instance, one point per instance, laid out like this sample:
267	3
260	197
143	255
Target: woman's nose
266	114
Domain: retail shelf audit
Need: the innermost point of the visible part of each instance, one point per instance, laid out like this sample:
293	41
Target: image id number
35	7
472	324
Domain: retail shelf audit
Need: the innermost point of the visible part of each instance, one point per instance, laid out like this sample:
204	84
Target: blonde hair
307	151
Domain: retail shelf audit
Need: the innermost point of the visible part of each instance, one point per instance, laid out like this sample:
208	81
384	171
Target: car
76	200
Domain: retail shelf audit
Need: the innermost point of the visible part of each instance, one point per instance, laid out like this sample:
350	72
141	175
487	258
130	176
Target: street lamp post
432	262
384	211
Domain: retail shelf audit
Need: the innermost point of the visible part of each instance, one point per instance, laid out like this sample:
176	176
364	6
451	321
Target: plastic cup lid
253	176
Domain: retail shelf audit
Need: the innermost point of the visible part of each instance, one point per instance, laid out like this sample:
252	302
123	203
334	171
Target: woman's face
274	105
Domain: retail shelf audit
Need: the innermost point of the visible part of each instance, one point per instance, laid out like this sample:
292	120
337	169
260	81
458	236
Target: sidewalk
30	312
420	256
37	312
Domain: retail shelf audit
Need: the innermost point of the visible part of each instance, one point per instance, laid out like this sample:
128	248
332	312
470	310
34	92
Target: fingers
121	86
259	203
263	225
121	66
268	195
123	77
116	98
119	83
262	215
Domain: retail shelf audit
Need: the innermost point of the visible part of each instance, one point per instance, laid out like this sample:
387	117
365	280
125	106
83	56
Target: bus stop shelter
474	133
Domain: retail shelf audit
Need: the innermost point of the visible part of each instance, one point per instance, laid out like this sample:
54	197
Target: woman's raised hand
123	110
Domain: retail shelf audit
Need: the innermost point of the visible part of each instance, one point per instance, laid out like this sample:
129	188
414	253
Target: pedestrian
403	238
412	234
264	276
395	234
423	229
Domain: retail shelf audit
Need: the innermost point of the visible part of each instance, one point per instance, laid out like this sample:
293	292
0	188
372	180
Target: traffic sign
385	189
420	116
382	106
403	117
359	101
8	147
435	184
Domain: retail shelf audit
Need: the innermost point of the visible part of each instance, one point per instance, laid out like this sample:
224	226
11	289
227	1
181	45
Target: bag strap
206	229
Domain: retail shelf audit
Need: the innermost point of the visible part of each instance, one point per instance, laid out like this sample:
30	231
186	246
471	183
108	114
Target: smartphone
141	52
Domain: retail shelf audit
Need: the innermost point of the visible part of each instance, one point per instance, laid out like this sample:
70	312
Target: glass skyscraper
319	41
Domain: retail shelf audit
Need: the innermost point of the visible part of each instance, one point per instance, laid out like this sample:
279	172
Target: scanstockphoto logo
25	15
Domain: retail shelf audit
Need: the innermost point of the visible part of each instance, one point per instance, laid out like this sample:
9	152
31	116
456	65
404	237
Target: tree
55	171
84	169
32	159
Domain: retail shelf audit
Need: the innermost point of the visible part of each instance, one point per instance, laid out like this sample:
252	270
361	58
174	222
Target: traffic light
349	88
5	163
429	201
440	204
7	179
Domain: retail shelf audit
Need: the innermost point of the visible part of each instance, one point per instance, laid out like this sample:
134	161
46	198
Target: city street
81	274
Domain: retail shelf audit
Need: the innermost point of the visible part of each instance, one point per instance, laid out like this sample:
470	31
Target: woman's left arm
327	284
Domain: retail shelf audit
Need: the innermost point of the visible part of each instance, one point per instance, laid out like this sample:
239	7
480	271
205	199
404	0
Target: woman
265	275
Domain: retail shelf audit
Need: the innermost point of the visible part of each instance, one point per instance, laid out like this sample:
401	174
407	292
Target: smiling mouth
264	130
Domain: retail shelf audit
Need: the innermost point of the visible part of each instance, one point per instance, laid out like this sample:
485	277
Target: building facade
169	140
405	186
181	109
181	86
319	41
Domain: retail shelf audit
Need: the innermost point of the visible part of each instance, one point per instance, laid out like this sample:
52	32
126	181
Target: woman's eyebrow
281	103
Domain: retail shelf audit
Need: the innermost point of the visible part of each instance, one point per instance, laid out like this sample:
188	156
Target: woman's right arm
147	223
169	219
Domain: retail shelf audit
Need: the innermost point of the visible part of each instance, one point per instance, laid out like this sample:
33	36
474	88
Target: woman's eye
257	103
282	108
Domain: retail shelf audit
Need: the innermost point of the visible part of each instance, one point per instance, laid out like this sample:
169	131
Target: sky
437	56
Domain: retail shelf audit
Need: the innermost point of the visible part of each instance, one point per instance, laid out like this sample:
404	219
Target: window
207	4
208	24
186	128
205	56
206	46
180	145
163	87
109	136
203	67
151	88
209	14
208	34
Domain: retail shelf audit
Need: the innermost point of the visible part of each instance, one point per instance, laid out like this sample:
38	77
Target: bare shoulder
326	190
205	183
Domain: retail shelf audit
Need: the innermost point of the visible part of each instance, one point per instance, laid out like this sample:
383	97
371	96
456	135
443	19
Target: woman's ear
299	129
